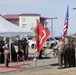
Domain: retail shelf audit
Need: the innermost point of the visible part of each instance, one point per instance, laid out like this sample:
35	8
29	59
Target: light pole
74	8
52	24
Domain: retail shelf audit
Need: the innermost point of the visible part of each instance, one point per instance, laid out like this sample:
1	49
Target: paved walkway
49	61
29	64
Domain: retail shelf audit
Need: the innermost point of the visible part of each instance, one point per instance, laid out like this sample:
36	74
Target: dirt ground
46	70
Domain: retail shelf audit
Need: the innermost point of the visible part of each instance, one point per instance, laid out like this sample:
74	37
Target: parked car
50	42
32	43
25	39
15	42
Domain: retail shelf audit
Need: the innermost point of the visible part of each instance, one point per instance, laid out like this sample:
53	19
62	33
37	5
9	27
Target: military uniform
66	52
71	54
60	47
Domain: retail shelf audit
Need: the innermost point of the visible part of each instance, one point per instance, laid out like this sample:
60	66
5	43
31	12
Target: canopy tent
8	29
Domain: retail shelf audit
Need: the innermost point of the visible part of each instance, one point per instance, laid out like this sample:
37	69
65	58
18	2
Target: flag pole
65	24
35	57
41	36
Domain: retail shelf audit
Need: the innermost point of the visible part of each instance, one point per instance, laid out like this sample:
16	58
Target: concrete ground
45	66
46	60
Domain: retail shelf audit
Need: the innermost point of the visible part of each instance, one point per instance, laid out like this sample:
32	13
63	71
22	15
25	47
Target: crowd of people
66	52
5	52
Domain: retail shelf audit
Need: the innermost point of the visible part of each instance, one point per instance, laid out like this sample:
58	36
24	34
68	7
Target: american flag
65	24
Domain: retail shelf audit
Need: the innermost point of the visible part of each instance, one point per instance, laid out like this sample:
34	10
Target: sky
47	8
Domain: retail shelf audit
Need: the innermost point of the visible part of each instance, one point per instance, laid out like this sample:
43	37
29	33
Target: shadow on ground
55	64
38	58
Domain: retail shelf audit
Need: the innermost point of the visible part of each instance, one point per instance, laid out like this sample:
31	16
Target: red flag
65	25
41	36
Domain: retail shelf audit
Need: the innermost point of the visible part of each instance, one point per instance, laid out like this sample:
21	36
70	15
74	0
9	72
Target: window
23	19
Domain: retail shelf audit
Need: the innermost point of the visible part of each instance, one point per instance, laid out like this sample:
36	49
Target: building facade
28	21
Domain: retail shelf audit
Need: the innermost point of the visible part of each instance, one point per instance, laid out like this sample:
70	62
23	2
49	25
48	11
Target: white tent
8	29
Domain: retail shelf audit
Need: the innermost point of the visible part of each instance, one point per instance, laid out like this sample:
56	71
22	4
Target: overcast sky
47	8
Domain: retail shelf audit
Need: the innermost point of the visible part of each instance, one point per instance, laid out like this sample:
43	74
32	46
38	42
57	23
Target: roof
11	16
29	14
74	34
16	16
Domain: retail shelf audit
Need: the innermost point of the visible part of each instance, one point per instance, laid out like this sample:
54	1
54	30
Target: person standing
25	49
7	54
73	50
60	48
20	50
1	54
40	55
66	52
72	53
